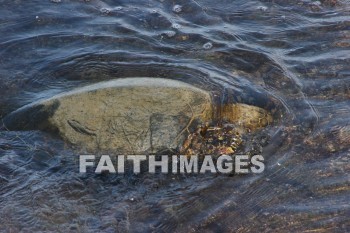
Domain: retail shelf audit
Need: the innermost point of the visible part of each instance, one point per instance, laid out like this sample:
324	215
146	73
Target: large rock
131	115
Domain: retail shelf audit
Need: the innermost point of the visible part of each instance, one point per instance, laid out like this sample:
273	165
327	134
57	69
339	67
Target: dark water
291	57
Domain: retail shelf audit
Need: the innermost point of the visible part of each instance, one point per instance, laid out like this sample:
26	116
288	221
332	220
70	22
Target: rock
131	115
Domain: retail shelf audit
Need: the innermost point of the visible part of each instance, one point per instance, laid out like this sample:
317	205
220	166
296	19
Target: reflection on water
291	57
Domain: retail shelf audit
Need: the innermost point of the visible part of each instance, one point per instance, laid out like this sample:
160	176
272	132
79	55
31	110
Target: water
291	57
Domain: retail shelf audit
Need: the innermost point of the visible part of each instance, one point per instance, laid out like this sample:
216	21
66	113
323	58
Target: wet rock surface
127	115
132	115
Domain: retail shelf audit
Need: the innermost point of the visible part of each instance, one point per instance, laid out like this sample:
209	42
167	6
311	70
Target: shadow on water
290	57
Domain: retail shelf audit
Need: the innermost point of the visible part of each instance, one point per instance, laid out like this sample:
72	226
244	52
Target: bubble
56	1
208	45
154	11
176	26
119	8
177	8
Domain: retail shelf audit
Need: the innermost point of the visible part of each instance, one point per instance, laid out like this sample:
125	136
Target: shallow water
291	57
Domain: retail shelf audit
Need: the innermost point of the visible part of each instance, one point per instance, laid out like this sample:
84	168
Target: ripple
285	57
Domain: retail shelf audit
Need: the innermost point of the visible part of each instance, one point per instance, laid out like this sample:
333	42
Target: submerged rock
131	115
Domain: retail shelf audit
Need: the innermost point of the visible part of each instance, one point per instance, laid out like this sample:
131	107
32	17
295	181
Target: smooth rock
131	115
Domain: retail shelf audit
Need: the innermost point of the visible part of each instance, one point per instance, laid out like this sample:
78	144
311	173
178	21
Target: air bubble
119	8
208	45
56	1
177	8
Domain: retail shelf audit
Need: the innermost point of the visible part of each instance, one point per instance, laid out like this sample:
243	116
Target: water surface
291	57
